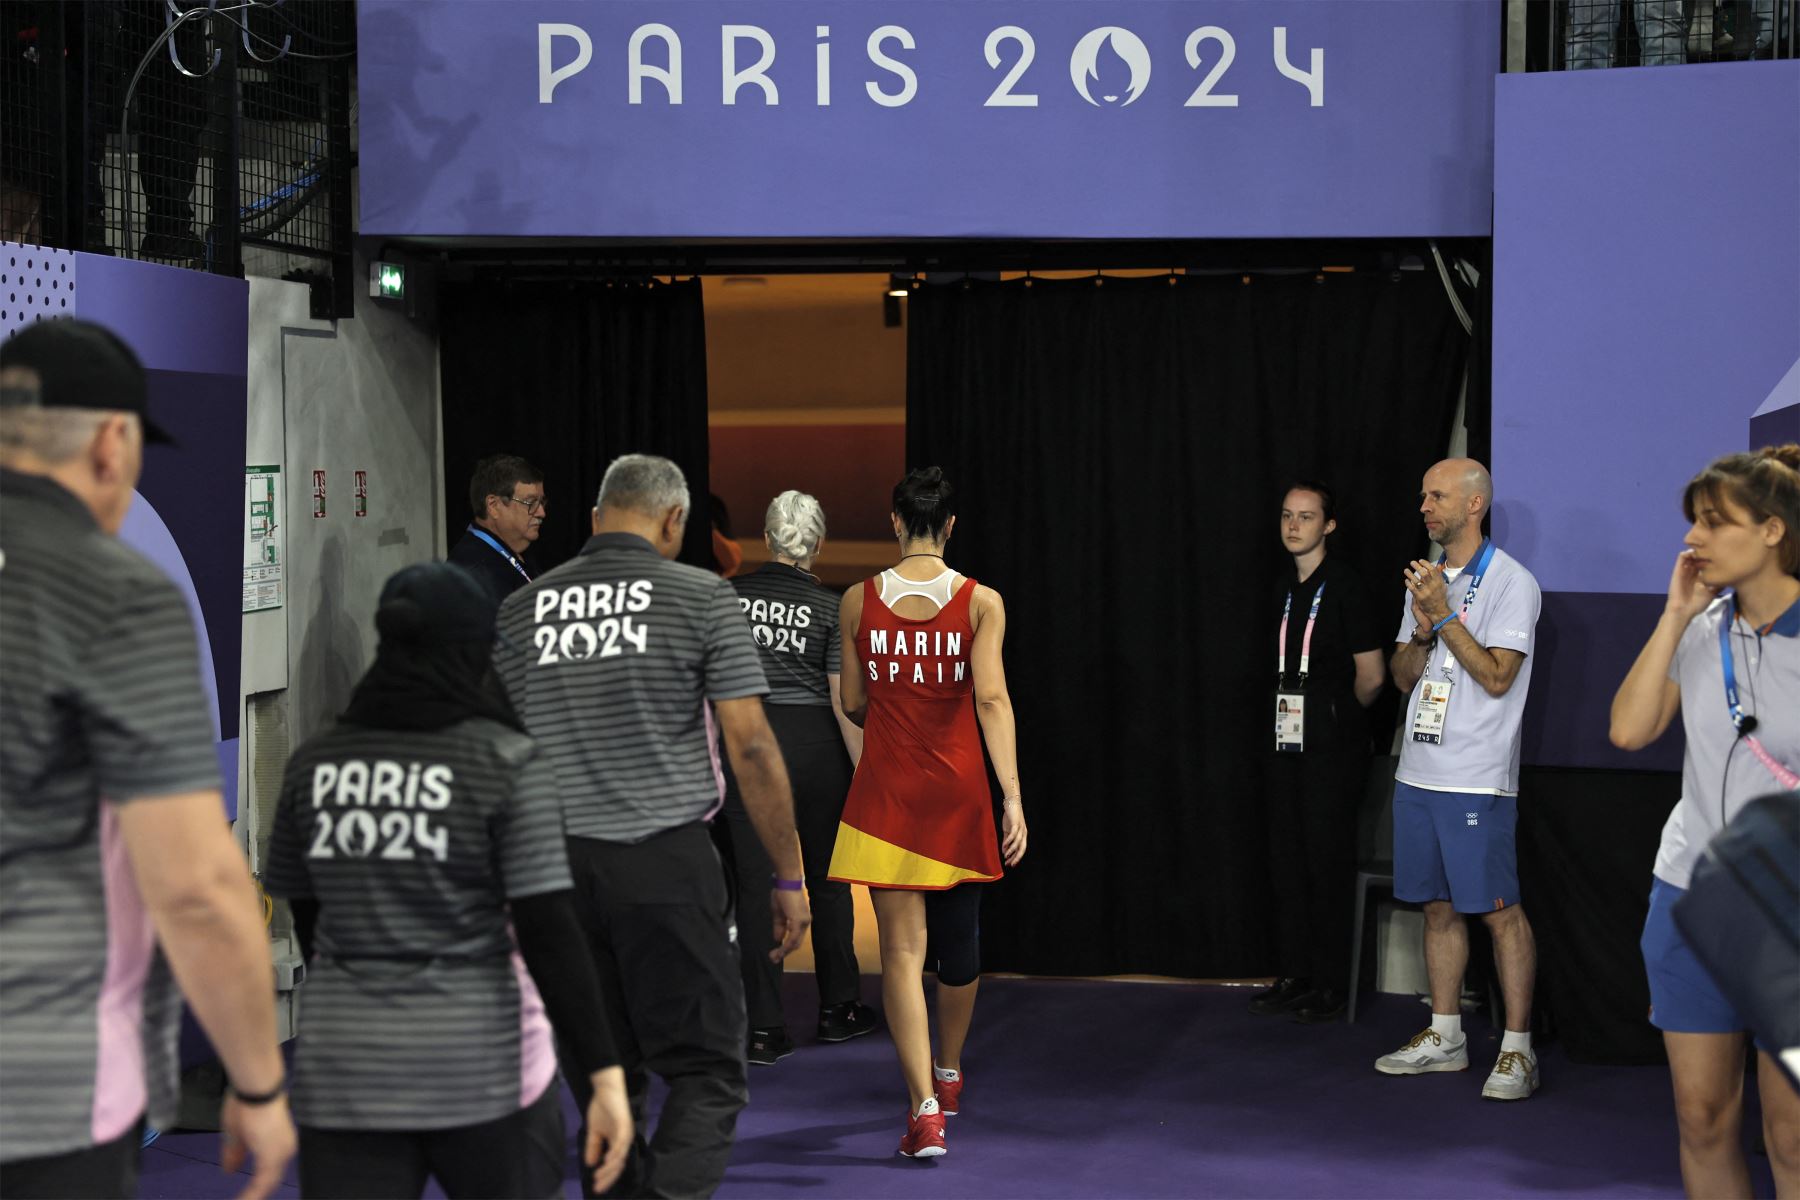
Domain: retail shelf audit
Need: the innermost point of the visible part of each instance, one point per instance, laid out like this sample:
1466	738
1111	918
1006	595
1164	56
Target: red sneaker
924	1136
949	1095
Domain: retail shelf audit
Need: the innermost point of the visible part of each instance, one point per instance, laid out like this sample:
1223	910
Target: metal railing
1585	34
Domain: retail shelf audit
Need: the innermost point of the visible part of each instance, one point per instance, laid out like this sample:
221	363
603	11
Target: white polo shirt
1720	774
1480	747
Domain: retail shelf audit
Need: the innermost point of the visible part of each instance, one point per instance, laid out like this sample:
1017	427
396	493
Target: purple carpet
1126	1089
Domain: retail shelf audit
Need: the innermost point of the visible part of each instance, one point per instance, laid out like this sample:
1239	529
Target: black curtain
1119	447
571	376
1478	406
1587	842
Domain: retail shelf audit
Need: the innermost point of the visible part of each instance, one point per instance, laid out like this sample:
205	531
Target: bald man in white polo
1464	654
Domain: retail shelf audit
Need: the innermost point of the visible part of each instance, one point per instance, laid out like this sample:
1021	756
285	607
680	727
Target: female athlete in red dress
919	641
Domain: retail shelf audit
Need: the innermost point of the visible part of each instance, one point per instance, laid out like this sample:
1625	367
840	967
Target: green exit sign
387	280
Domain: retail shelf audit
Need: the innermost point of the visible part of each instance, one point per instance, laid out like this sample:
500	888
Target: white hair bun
795	524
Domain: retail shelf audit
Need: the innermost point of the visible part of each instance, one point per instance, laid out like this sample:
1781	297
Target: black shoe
171	247
1279	998
841	1022
1320	1007
769	1046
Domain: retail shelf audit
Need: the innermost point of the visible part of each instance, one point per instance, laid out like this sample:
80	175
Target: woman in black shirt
1329	664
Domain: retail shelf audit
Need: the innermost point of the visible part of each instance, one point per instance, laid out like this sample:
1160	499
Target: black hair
1327	501
499	475
721	516
924	501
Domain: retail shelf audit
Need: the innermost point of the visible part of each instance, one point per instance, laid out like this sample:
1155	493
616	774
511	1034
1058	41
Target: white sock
945	1075
929	1106
1449	1028
1516	1041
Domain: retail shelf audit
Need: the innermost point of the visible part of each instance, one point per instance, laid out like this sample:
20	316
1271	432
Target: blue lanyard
1738	719
491	540
1305	641
1475	575
1481	565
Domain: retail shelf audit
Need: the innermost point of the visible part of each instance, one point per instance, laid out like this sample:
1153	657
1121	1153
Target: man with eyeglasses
506	500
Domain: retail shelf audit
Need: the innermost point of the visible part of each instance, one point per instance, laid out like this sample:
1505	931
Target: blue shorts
1455	846
1683	996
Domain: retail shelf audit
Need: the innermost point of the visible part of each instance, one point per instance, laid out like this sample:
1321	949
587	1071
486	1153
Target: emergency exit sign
387	281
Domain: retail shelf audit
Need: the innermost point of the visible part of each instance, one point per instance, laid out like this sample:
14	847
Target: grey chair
1375	869
1374	859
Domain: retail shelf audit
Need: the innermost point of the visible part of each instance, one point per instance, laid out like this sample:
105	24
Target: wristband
253	1099
790	885
1018	800
1447	619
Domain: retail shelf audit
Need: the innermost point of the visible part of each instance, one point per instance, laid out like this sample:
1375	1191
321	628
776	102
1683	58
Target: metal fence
182	131
1585	34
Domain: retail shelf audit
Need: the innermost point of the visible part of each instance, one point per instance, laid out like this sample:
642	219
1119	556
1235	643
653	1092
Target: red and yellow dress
919	814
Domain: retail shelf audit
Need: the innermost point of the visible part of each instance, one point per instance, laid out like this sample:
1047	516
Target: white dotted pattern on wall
36	284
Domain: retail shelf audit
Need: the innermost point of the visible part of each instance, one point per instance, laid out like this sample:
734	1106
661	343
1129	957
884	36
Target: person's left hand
793	915
609	1129
260	1134
1012	832
1426	583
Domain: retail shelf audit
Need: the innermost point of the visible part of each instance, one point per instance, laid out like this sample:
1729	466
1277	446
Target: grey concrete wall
358	394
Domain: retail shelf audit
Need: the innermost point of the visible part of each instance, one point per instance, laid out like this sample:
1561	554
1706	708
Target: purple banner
913	118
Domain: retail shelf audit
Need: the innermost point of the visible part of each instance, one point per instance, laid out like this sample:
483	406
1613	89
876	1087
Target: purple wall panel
1646	305
1778	420
192	331
176	319
458	139
1646	302
1586	643
1775	427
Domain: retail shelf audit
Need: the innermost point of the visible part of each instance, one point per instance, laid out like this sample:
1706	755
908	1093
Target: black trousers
819	771
105	1171
655	917
1313	800
520	1154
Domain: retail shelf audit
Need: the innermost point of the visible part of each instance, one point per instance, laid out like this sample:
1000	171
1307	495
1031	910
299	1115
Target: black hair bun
924	501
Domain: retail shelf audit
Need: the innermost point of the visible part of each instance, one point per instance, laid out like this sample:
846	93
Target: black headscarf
434	666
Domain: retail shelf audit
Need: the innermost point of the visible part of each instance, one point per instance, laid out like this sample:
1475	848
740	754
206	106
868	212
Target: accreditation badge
1290	722
1434	706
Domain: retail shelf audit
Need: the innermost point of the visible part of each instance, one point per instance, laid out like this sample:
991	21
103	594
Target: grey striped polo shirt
101	703
794	623
610	658
416	1012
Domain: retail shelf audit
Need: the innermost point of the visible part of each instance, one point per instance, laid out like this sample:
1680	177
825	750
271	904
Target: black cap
431	603
80	365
